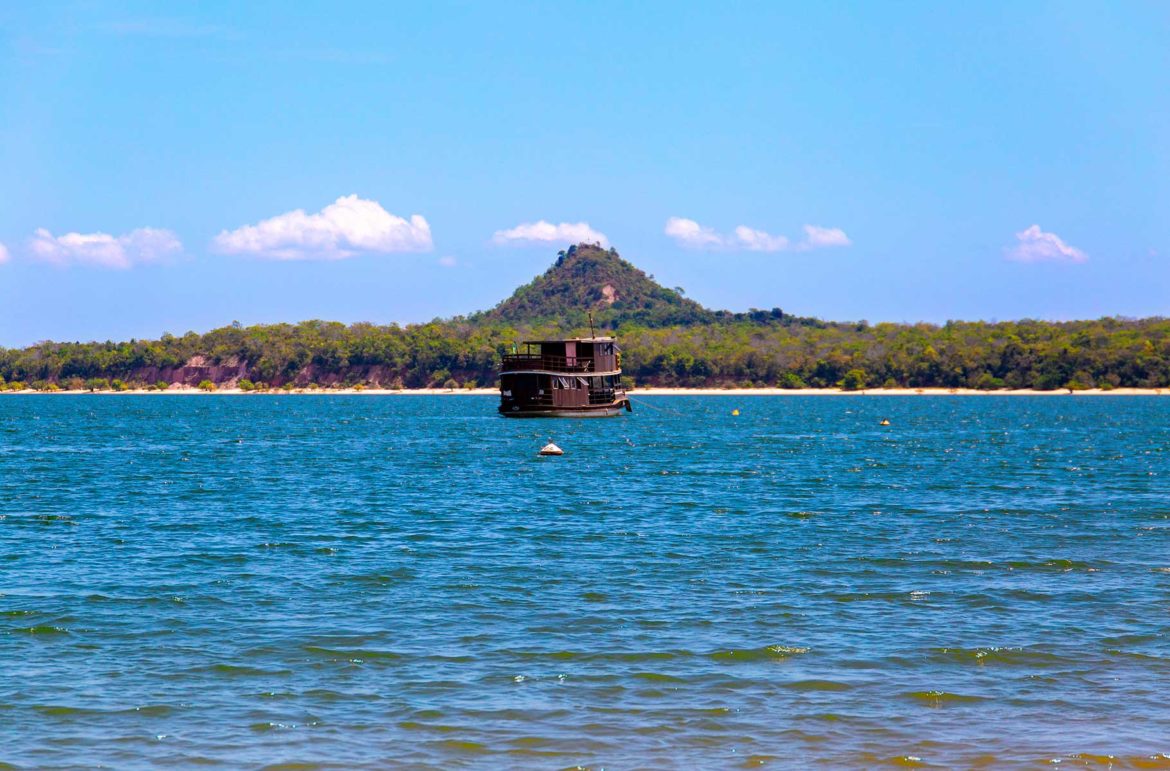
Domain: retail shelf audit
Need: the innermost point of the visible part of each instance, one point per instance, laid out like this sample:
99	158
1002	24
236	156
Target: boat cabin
558	378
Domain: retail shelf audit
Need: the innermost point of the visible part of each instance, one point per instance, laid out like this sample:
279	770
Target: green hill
587	278
666	340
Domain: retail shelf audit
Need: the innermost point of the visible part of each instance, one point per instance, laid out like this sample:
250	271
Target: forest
666	339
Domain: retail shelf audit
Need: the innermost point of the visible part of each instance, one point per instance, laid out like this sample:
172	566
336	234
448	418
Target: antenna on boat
592	334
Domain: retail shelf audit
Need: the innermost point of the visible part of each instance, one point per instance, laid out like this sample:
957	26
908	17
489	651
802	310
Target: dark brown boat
579	377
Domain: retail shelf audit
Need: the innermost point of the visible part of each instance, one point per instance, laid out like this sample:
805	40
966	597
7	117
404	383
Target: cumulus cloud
543	232
759	241
348	226
3	254
817	237
1034	245
692	235
143	245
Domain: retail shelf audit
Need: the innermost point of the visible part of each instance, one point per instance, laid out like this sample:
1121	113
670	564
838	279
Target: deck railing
513	362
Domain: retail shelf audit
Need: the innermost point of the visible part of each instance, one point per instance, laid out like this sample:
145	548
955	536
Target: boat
576	377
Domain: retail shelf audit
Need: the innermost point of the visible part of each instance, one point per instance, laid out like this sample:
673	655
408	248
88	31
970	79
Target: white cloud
348	226
760	241
692	235
143	245
817	237
3	254
542	231
1037	246
448	261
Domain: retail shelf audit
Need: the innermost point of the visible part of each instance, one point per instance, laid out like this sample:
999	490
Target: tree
854	380
666	339
791	380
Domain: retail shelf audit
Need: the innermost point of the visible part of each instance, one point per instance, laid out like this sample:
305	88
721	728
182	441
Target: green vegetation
791	380
667	340
588	278
854	380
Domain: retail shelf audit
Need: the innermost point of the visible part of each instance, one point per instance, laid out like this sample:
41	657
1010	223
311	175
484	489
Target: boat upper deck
595	355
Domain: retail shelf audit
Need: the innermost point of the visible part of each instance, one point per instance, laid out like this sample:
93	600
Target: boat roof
572	340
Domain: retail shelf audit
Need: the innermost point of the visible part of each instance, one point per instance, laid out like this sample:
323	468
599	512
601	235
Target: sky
167	167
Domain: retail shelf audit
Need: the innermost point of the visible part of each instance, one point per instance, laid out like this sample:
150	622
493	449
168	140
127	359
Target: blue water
364	581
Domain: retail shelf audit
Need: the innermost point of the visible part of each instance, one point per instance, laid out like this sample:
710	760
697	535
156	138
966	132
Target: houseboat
579	377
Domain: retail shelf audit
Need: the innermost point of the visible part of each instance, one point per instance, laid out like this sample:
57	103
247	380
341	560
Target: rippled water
371	581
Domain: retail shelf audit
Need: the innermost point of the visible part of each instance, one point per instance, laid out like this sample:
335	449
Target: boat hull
591	411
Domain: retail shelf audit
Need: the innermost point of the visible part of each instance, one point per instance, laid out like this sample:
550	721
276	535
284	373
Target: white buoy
551	449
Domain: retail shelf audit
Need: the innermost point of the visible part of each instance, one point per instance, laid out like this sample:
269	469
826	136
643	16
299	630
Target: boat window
520	382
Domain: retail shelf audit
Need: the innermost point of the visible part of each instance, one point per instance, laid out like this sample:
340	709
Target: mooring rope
641	403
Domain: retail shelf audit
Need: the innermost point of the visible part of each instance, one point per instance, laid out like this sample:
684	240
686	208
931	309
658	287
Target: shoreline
193	391
895	392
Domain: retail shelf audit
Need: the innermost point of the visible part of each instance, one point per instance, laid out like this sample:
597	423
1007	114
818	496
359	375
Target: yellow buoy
735	412
884	422
551	449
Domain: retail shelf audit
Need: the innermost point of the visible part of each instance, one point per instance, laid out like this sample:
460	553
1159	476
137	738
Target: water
357	581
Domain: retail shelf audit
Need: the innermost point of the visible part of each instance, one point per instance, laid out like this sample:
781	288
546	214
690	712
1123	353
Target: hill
586	278
666	338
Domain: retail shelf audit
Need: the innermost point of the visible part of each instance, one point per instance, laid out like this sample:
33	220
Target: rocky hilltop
587	278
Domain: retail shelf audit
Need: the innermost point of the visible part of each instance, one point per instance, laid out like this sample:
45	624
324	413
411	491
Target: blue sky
885	161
